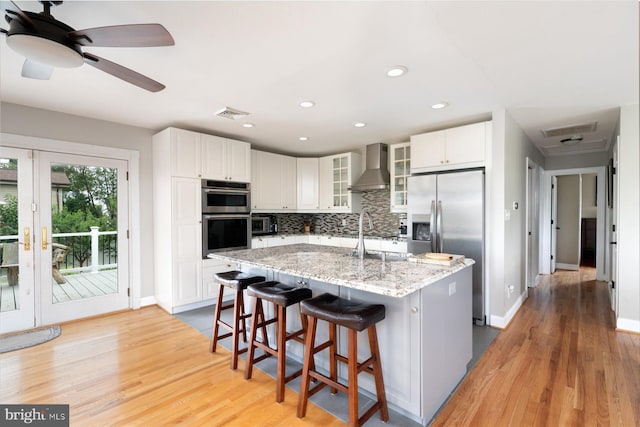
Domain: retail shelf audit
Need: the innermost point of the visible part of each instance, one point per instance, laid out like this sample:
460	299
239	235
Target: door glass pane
84	231
9	269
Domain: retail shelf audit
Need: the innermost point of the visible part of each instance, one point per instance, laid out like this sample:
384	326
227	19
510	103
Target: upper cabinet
400	169
273	188
307	184
197	155
336	173
459	147
225	159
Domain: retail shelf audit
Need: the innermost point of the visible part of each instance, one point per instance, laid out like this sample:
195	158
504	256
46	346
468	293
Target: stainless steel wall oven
226	219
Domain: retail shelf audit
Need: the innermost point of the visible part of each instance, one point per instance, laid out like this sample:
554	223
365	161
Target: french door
70	235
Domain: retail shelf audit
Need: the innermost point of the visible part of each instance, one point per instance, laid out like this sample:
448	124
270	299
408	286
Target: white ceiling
549	64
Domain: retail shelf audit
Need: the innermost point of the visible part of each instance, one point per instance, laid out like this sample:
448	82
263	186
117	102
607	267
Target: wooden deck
77	286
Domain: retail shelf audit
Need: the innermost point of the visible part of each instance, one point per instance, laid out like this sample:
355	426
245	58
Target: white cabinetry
274	182
459	147
400	165
180	161
307	180
336	174
197	155
225	159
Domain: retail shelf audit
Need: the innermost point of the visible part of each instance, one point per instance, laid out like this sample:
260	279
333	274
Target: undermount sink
382	256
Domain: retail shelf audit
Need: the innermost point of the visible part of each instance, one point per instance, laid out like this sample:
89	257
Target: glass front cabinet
400	169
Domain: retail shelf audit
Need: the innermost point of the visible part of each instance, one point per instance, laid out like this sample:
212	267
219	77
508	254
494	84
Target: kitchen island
425	340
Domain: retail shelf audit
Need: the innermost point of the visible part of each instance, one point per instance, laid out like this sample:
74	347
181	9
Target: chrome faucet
360	248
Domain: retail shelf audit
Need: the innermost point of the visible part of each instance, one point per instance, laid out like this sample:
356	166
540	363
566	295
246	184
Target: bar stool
282	296
238	281
354	316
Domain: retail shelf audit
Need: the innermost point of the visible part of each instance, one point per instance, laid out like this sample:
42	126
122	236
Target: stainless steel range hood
376	175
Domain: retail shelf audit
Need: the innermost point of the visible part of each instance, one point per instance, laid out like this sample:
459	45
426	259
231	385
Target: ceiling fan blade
136	35
13	10
123	73
36	70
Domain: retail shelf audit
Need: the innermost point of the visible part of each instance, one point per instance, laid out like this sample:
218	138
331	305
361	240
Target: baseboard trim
562	266
628	325
502	322
145	301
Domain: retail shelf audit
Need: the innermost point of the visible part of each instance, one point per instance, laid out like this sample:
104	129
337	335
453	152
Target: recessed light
307	104
396	71
359	124
303	138
440	105
248	125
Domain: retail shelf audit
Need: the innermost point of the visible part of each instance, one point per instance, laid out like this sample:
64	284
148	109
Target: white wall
21	120
506	185
575	161
589	207
629	220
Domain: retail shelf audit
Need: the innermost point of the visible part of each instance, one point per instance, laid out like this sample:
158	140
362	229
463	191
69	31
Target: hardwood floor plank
560	362
145	367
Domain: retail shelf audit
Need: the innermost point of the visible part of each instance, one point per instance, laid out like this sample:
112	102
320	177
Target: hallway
560	362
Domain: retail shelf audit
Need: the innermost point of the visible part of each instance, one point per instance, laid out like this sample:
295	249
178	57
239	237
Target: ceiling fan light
45	51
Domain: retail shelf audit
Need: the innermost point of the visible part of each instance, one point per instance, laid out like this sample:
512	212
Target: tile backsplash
385	223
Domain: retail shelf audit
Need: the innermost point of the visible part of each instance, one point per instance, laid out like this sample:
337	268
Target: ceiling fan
47	43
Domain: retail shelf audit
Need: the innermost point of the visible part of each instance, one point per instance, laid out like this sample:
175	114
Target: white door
60	259
554	221
17	302
81	243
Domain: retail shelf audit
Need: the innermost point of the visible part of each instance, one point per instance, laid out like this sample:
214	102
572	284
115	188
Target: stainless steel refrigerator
445	213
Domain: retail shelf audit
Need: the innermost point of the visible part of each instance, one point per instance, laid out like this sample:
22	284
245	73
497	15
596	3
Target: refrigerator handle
432	226
439	229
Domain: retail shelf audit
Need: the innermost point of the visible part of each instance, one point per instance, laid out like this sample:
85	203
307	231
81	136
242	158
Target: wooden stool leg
305	325
282	356
377	373
352	368
308	357
237	309
333	360
242	314
257	306
216	318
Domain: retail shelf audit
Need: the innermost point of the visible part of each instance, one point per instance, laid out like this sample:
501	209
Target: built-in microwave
225	233
264	224
225	197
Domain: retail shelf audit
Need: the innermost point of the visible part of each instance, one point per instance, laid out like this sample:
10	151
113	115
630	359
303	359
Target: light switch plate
507	215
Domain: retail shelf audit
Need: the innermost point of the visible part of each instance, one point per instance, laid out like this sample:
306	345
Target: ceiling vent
231	113
570	130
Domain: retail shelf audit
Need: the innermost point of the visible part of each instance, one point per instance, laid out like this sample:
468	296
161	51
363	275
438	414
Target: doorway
63	237
563	250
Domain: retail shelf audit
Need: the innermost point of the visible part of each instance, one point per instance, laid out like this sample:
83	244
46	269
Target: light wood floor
559	363
145	368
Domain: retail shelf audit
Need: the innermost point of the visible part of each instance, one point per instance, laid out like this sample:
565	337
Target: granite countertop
328	264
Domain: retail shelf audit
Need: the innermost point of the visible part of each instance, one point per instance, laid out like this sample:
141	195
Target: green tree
78	222
9	215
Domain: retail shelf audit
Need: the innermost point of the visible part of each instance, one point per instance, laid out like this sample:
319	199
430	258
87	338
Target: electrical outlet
344	222
452	288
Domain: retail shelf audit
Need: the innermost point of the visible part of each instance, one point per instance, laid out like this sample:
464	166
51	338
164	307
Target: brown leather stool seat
238	281
282	296
355	316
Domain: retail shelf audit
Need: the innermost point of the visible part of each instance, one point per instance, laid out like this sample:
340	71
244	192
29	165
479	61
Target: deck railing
88	251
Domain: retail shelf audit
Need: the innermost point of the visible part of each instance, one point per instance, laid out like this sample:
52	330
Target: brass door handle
27	239
45	243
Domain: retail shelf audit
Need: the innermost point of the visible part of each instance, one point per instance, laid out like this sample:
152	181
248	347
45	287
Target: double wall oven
226	216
